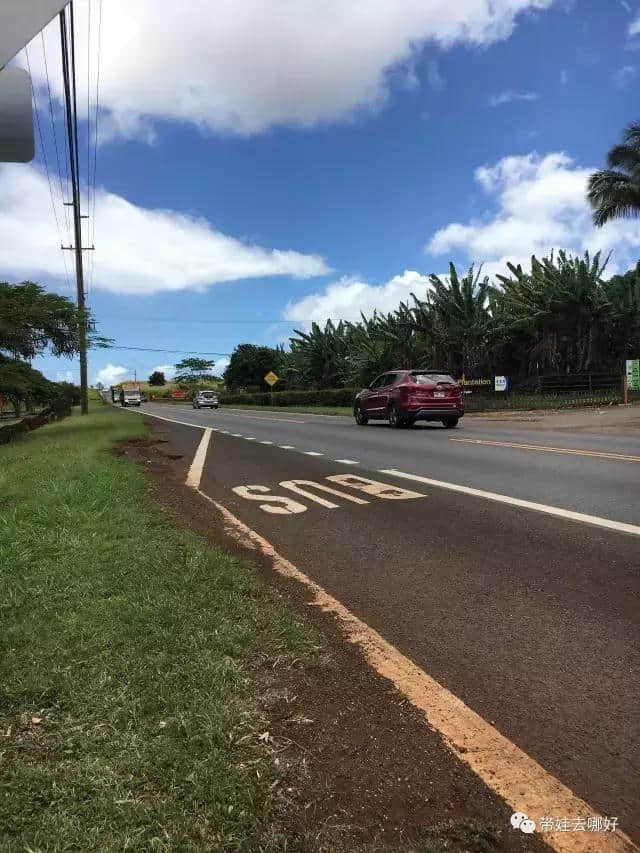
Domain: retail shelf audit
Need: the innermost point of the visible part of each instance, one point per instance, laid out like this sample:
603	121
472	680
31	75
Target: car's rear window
207	394
433	379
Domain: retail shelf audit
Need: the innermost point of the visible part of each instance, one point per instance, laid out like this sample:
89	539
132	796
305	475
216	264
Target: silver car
205	399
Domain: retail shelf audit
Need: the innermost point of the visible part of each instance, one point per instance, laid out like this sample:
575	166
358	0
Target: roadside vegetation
33	321
127	714
563	318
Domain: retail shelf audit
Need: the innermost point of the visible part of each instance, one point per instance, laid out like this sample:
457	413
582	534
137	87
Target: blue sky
322	160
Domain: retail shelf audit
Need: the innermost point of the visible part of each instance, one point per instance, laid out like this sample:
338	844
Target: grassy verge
126	661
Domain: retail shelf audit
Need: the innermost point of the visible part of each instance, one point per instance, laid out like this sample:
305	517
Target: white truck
130	397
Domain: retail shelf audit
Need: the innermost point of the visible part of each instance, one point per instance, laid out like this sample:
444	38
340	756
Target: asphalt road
595	485
532	620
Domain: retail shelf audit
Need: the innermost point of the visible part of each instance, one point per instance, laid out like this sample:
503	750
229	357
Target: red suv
406	396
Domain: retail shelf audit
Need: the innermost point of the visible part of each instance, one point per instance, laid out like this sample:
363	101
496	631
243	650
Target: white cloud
634	26
540	205
220	366
346	298
243	66
65	376
624	75
111	374
509	96
139	250
167	369
435	78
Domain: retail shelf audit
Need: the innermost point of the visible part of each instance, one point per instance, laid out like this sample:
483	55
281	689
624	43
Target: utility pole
77	219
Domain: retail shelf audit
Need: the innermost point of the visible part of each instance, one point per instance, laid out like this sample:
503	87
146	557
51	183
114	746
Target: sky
262	166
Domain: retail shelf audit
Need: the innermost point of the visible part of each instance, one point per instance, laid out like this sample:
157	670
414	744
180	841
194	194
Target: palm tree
615	192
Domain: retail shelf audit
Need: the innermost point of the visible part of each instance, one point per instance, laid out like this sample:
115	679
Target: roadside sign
633	374
271	378
178	394
500	383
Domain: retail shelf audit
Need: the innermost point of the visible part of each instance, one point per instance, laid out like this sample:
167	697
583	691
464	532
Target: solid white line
347	461
312	453
286	447
516	777
162	418
568	514
195	471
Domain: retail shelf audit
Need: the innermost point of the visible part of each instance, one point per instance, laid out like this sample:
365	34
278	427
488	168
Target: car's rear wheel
395	418
359	415
450	423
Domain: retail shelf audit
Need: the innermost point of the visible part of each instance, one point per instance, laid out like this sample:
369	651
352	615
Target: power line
173	351
46	164
92	221
53	130
72	135
210	322
88	124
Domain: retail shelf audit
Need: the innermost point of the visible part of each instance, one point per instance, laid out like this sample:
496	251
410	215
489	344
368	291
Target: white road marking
347	461
195	471
266	442
259	418
286	447
504	767
162	418
250	438
312	453
237	435
559	512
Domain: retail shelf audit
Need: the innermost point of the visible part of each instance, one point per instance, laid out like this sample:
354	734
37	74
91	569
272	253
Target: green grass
129	653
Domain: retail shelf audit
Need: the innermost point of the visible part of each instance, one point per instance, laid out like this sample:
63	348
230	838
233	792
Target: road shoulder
364	767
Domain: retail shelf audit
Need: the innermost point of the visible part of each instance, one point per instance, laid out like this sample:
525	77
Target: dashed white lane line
250	438
571	515
237	435
311	453
286	447
266	442
347	461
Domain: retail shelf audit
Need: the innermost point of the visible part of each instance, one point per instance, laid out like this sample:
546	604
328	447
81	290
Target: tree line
32	321
561	317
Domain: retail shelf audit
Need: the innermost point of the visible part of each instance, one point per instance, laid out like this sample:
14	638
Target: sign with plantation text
271	378
633	374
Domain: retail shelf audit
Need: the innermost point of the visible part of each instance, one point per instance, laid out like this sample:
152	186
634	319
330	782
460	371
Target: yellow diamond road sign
271	378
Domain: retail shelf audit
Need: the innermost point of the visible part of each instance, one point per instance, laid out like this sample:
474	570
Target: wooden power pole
68	73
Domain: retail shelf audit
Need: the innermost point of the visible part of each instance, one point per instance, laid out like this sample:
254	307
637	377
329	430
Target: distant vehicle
130	397
115	394
405	396
205	399
143	397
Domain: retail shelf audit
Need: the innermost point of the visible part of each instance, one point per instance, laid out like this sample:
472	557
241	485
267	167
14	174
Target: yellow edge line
571	451
502	766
